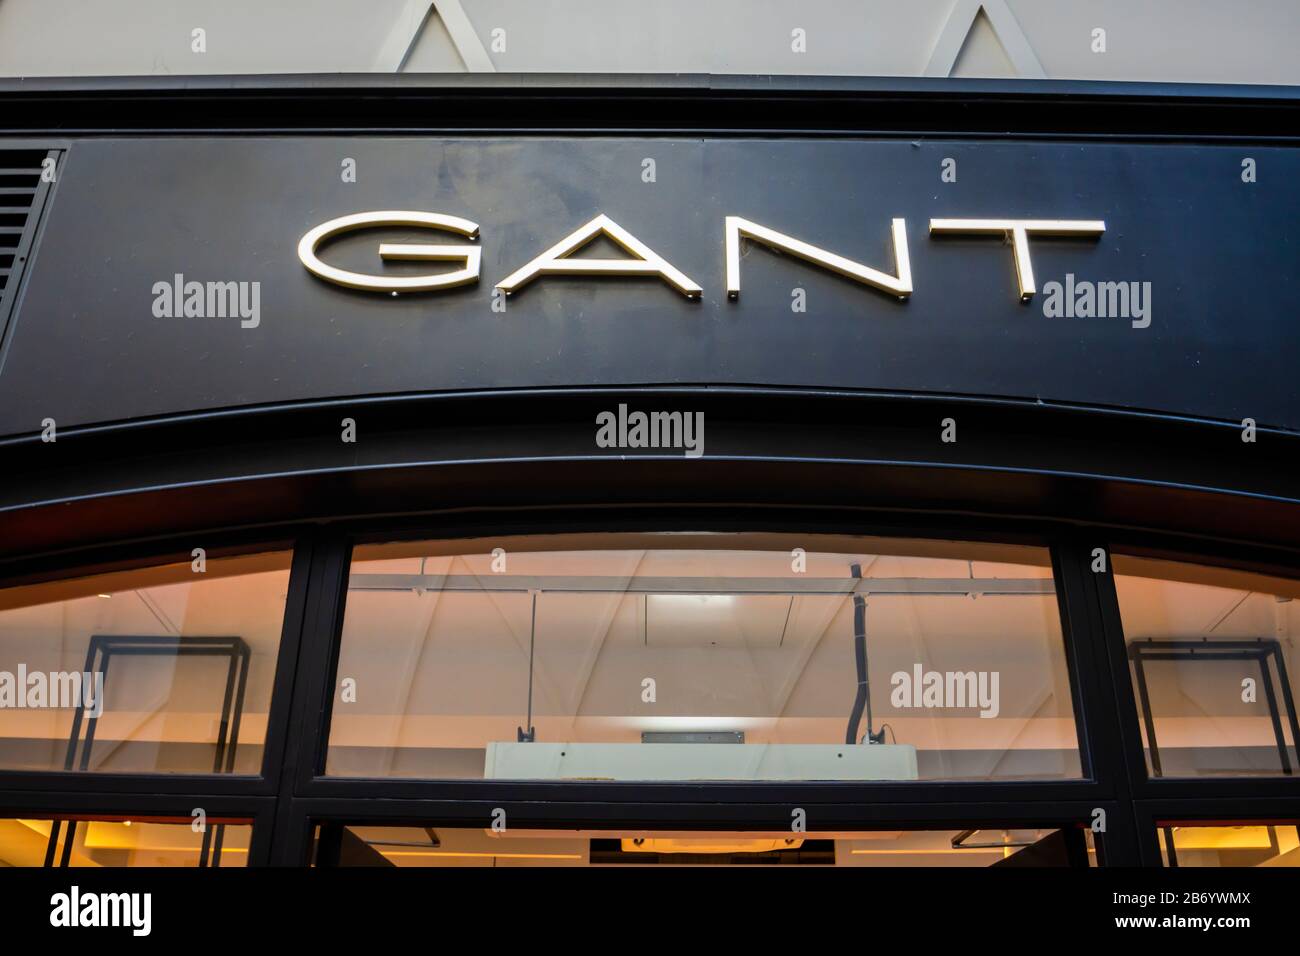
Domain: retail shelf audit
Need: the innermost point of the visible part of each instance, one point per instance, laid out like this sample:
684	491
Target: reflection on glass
1230	844
80	841
339	845
1213	660
158	670
702	657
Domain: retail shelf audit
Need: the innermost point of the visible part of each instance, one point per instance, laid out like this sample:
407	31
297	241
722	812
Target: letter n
899	285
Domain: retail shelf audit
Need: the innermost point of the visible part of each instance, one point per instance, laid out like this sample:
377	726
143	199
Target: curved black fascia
1014	467
647	104
1015	463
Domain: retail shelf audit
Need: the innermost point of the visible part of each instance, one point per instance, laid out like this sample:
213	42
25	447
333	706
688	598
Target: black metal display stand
1260	651
99	654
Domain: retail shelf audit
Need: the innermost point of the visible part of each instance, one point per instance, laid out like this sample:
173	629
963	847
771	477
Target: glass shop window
1213	658
1274	843
161	670
424	846
687	657
102	840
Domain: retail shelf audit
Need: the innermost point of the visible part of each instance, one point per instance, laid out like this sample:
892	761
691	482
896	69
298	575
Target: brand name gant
641	260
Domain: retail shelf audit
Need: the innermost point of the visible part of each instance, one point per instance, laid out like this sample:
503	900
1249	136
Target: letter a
552	262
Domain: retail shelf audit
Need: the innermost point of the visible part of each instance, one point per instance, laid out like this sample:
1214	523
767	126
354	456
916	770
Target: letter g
470	255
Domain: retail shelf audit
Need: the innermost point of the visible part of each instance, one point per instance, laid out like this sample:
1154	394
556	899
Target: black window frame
38	793
291	795
312	781
757	805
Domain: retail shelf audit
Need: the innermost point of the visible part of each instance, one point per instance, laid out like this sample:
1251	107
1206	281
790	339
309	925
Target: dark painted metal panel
1221	256
638	102
537	448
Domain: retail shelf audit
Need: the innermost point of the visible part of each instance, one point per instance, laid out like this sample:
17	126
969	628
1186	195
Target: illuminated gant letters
644	261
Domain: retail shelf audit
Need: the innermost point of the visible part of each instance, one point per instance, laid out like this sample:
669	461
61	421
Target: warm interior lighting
1222	838
163	709
498	856
537	667
99	843
156	837
929	851
450	846
707	845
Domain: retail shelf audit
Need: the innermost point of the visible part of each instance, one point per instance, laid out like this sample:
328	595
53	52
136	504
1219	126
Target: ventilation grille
21	192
